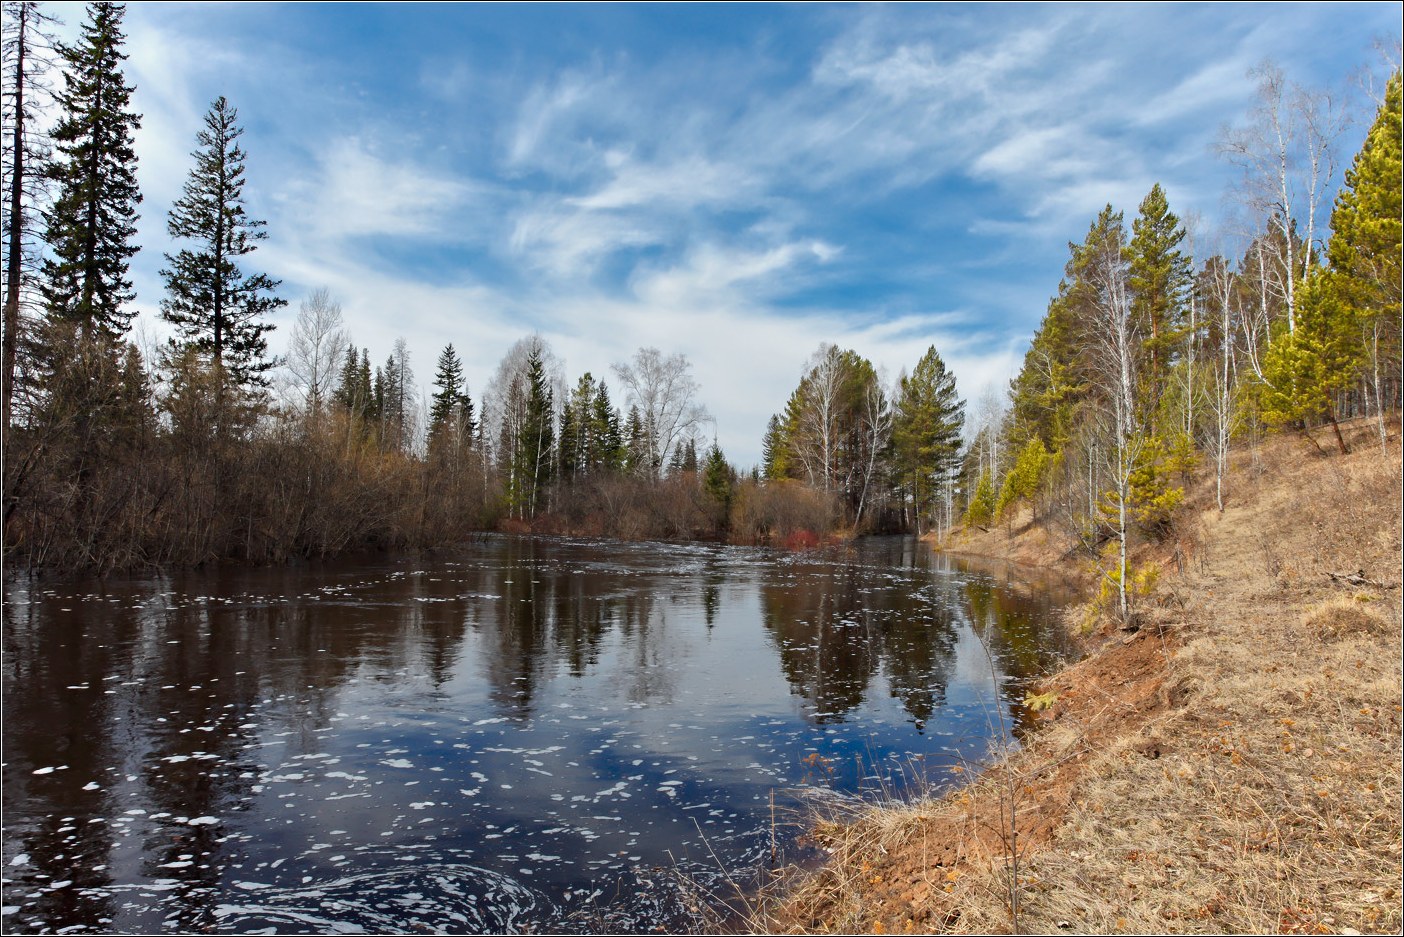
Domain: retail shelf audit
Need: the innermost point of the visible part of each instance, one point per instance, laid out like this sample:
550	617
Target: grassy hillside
1232	765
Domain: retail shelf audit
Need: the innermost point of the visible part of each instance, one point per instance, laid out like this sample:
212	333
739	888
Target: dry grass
1237	770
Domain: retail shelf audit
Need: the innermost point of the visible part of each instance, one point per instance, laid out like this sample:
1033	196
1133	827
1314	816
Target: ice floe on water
531	736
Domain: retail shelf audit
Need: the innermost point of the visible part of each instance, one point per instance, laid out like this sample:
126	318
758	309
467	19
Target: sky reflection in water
513	735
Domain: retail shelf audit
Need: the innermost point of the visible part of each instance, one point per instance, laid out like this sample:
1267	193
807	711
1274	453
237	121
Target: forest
1161	348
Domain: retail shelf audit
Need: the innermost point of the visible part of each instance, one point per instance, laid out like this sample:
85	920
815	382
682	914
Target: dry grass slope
1234	766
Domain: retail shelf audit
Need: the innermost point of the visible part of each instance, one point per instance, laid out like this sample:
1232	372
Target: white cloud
689	182
569	243
1044	154
627	201
1209	88
356	193
709	272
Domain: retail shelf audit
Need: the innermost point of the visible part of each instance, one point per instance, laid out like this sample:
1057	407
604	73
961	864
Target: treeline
1151	361
885	458
207	449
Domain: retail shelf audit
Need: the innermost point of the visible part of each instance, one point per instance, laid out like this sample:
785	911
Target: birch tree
1115	342
664	392
1287	154
316	349
1218	285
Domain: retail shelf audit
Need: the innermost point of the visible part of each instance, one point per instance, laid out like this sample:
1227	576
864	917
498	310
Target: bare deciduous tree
27	60
1287	153
316	349
663	389
1115	343
1223	302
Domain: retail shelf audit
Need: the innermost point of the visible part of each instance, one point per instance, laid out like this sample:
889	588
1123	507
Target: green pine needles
93	217
216	309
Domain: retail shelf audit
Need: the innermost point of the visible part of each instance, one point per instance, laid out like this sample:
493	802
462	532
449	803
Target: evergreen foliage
719	483
450	410
533	468
607	452
773	450
93	217
1305	368
1160	278
981	509
1365	245
926	428
1365	252
1022	482
216	309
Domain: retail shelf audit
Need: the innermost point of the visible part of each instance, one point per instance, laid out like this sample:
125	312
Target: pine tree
1365	244
1365	250
926	429
1024	480
981	509
1160	275
215	308
1307	366
1043	397
93	217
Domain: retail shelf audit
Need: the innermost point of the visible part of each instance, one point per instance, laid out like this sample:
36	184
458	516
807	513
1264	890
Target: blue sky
736	183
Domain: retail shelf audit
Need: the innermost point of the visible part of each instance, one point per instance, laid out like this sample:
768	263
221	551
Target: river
522	734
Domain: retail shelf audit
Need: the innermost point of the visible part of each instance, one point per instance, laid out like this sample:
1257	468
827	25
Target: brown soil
1232	765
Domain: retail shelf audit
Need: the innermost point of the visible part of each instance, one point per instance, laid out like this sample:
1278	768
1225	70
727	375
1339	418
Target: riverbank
1233	765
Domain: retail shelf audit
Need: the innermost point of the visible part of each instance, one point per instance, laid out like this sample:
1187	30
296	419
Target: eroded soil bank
1233	765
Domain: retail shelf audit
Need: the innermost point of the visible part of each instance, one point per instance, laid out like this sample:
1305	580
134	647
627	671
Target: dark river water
520	735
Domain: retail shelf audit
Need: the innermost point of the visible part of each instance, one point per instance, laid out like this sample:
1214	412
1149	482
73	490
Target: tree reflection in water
224	749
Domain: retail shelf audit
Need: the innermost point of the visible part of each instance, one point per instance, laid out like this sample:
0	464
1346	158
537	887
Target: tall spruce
93	217
448	403
216	309
536	445
608	451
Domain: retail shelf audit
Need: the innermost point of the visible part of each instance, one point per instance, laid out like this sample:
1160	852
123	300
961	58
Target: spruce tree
773	449
608	452
532	471
447	402
93	217
348	394
215	308
719	482
636	455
